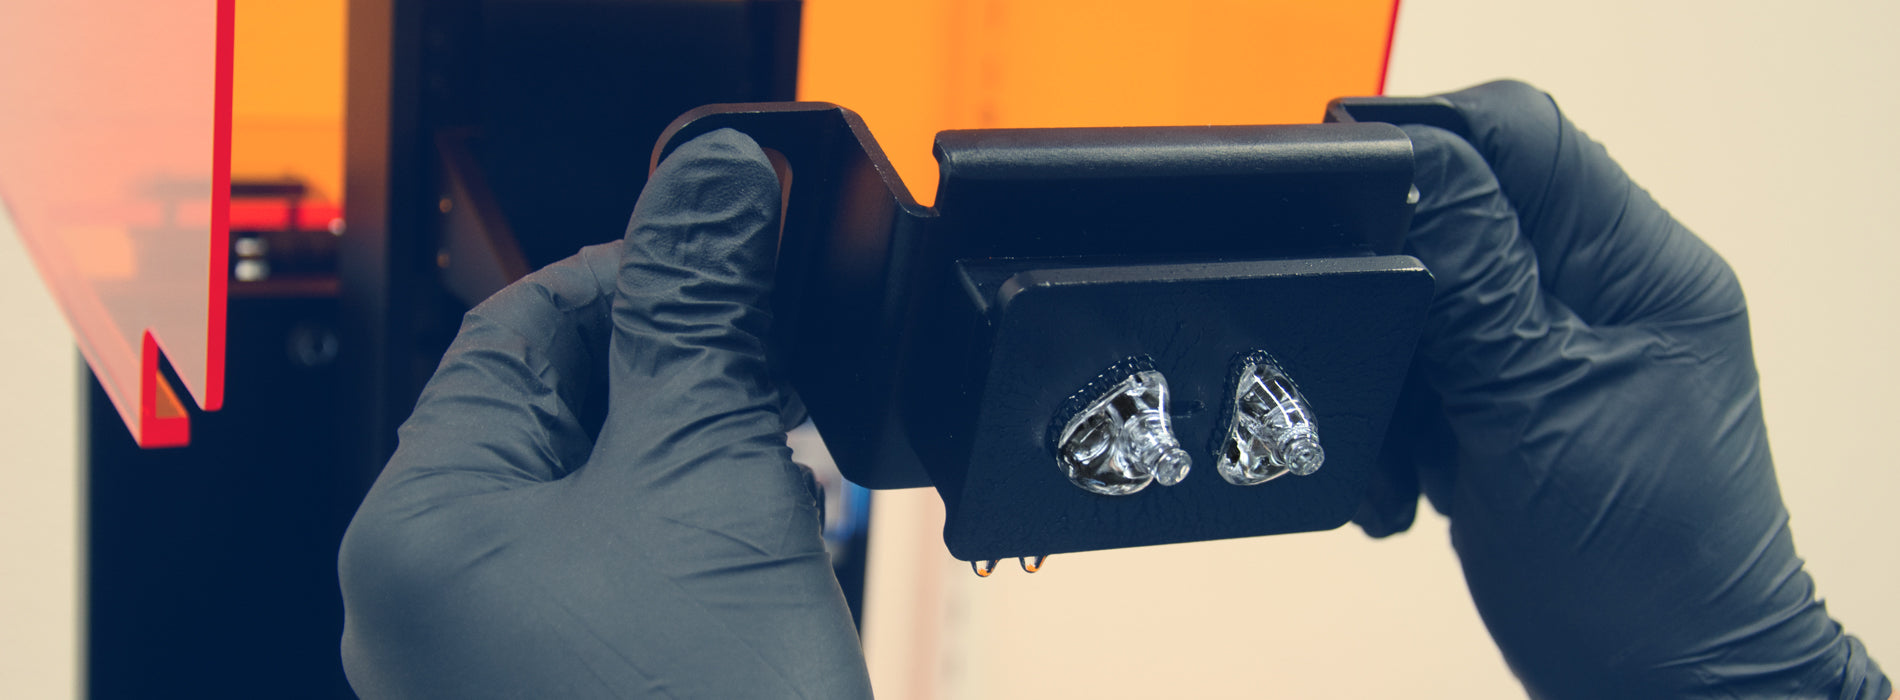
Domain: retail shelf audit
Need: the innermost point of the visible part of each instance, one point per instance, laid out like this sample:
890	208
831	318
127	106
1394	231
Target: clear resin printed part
1122	440
1270	430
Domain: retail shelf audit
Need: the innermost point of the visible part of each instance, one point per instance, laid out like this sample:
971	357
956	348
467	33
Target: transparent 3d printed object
1270	429
1121	439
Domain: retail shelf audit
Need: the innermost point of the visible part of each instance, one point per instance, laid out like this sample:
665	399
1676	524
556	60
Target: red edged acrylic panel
115	135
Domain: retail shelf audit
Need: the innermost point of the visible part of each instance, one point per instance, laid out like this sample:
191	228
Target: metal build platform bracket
933	345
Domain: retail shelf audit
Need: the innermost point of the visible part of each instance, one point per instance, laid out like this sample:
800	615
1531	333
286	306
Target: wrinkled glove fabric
593	497
1597	438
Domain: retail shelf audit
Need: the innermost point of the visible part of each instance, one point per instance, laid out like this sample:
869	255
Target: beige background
40	513
1762	126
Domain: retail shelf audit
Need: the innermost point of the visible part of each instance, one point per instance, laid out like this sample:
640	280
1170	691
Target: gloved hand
516	546
1598	441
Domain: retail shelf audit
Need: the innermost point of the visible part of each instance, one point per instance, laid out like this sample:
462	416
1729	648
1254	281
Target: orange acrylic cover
115	173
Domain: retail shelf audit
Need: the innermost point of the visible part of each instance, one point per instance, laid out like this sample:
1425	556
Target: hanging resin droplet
1032	564
1270	428
983	567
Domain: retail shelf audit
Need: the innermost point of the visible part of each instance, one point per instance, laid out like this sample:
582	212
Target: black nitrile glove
1598	442
510	551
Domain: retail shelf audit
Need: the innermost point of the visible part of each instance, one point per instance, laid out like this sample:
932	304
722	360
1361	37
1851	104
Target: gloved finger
1605	248
1391	501
1418	457
690	396
1491	329
509	410
517	396
691	473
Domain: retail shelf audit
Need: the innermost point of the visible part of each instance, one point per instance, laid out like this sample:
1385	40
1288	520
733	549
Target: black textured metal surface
1343	327
932	345
1226	192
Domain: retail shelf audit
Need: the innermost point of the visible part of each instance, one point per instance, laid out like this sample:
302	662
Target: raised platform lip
671	138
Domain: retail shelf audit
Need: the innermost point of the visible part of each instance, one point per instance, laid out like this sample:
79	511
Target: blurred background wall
1762	127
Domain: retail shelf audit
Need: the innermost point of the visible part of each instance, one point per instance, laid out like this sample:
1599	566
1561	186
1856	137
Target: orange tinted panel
914	68
114	171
